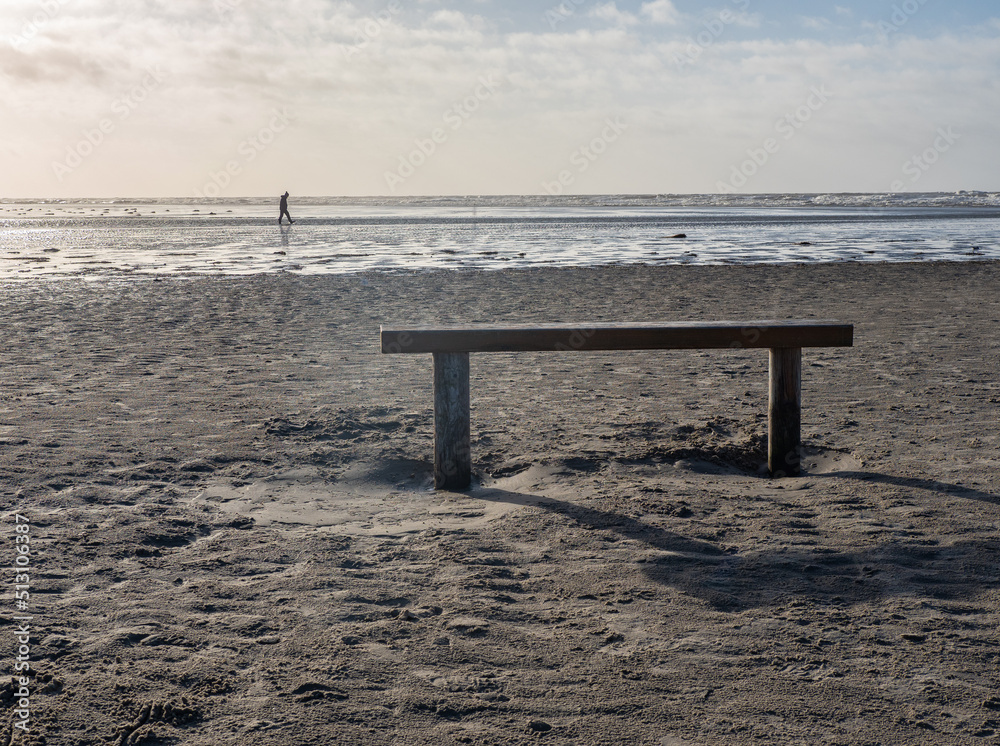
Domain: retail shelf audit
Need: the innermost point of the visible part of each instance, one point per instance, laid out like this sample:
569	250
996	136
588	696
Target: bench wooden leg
452	445
784	413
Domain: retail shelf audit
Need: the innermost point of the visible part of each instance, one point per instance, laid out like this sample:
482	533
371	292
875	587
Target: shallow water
120	237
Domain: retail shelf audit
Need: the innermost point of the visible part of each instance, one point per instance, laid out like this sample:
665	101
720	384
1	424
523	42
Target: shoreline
14	281
337	239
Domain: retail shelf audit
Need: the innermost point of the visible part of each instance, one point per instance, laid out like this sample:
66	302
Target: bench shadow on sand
732	581
930	485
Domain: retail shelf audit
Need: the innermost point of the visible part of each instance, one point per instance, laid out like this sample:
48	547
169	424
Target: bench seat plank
594	337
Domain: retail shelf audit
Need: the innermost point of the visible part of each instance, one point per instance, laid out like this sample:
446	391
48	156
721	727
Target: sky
234	98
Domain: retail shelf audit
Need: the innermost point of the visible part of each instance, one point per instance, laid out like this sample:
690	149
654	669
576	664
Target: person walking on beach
284	209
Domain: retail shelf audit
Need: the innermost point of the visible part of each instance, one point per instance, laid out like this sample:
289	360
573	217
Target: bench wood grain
567	337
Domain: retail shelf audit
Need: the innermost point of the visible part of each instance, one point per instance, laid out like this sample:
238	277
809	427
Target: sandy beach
234	541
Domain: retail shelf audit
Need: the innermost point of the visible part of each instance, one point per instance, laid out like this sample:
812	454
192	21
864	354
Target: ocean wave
831	199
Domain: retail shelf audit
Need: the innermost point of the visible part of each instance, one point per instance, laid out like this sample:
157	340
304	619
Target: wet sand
234	541
137	239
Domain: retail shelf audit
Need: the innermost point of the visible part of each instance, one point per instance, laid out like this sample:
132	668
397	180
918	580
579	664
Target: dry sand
227	488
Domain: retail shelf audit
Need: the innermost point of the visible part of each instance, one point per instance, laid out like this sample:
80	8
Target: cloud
364	84
815	23
610	14
745	20
661	12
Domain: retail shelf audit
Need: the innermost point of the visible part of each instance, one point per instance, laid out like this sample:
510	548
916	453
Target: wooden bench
451	346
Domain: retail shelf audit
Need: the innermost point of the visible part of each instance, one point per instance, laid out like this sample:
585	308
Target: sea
113	238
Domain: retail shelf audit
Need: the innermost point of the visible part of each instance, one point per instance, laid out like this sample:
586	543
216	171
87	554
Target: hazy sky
320	97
